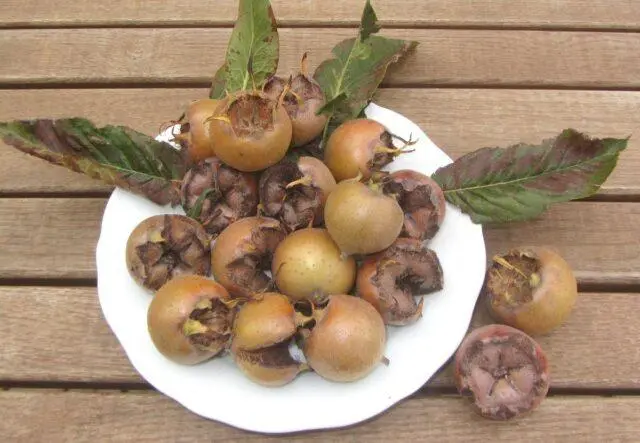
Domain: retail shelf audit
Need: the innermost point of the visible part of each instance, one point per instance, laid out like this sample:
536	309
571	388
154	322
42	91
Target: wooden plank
458	120
600	14
32	415
70	324
445	57
56	238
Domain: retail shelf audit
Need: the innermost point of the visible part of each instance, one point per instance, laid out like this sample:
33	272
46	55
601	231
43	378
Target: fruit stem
305	180
385	361
304	65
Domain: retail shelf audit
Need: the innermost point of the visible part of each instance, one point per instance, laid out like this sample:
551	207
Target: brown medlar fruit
361	219
303	98
162	247
217	195
194	134
389	280
190	319
359	147
308	264
251	131
295	192
502	371
347	341
531	288
422	201
241	255
262	333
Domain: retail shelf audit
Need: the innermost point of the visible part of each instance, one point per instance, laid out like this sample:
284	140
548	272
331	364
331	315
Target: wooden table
490	72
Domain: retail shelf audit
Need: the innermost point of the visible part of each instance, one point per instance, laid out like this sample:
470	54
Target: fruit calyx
250	114
513	278
209	324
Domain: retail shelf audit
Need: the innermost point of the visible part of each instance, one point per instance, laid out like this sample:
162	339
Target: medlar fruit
503	372
217	195
190	319
194	132
251	131
262	333
303	98
308	264
162	247
348	339
359	146
241	255
361	219
531	288
422	201
390	279
295	192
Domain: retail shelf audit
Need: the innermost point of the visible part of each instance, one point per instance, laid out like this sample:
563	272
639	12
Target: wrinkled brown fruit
348	340
165	246
421	200
362	220
295	192
263	330
242	254
190	319
359	146
194	132
308	264
502	371
302	101
532	289
251	131
390	280
217	195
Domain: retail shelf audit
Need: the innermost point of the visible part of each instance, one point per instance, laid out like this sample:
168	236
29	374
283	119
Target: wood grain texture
70	324
613	14
56	238
444	57
52	416
457	120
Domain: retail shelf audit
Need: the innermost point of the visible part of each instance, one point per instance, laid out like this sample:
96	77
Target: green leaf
350	79
253	51
116	155
496	185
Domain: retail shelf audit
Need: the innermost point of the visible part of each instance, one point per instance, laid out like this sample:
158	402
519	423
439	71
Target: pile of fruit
320	254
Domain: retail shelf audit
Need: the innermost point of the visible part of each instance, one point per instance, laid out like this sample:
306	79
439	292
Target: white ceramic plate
218	391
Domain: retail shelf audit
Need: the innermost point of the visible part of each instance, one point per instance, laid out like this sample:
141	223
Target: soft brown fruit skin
308	264
502	371
301	107
348	340
169	309
164	246
251	131
242	251
352	149
262	331
552	299
194	136
320	175
362	220
422	201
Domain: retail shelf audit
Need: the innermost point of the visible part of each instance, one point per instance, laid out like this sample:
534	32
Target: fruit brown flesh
162	247
243	252
537	302
308	264
390	280
422	201
192	299
348	341
231	194
502	371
